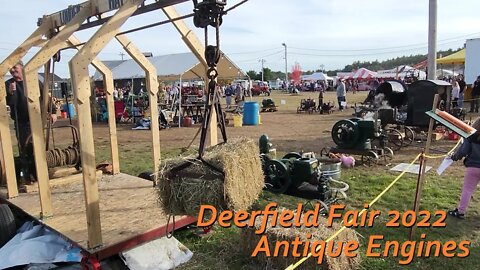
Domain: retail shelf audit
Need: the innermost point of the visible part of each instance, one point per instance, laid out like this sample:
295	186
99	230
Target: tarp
454	58
37	244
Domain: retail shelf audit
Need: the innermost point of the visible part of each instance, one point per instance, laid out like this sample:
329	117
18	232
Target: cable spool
62	157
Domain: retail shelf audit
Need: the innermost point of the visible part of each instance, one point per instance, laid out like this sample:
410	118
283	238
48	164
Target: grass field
221	250
290	131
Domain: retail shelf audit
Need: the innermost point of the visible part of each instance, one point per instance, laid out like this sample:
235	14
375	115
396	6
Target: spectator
455	94
239	97
475	96
463	88
470	151
228	95
341	93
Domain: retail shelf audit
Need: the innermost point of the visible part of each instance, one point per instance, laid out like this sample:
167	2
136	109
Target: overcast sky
332	33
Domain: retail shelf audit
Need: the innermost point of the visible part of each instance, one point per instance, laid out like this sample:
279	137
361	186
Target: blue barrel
70	109
250	113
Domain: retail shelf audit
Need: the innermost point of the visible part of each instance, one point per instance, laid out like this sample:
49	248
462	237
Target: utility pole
286	65
432	40
263	62
121	55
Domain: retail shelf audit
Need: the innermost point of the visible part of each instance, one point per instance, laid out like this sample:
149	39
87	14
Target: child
470	150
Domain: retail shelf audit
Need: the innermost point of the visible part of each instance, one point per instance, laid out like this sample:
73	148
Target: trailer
103	215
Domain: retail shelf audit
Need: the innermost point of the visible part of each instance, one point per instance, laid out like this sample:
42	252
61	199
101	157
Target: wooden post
416	202
5	135
81	85
423	166
112	125
32	90
152	89
45	91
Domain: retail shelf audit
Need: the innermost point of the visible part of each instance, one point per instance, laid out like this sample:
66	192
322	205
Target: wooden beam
45	92
32	90
188	36
81	85
109	87
198	49
152	89
5	135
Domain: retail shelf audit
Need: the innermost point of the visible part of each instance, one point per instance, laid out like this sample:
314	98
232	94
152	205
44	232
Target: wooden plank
62	172
81	85
3	175
129	208
152	88
57	182
5	135
30	75
112	125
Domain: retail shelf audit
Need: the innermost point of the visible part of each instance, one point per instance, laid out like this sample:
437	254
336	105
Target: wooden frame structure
55	33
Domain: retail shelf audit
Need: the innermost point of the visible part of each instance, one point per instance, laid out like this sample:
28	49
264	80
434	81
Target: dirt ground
287	129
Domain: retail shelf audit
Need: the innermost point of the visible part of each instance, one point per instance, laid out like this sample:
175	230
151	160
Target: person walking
463	88
341	93
470	152
474	103
228	95
455	93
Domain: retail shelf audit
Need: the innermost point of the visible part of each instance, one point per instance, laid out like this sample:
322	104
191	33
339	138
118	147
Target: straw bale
322	232
198	184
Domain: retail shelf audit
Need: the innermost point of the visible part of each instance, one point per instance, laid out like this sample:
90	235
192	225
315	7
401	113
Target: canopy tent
364	73
345	75
454	58
400	72
317	76
171	67
446	72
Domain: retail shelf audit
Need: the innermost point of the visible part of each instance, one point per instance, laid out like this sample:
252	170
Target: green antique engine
293	174
356	133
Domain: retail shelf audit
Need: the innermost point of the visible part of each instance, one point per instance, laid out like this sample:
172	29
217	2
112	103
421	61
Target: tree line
371	65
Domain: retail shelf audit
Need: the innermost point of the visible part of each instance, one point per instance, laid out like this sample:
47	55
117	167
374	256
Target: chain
209	14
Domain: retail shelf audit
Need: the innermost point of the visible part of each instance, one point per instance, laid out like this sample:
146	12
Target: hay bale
322	232
199	184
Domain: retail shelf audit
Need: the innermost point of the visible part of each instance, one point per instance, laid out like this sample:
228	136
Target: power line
457	38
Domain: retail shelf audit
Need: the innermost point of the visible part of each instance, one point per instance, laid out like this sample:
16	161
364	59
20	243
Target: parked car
259	88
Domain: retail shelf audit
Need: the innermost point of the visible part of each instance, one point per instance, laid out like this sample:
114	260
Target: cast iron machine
354	136
299	175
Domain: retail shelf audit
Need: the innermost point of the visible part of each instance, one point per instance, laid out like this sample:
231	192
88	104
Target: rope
297	264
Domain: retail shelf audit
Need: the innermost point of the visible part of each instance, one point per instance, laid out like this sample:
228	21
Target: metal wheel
409	137
277	178
345	133
387	154
370	158
394	138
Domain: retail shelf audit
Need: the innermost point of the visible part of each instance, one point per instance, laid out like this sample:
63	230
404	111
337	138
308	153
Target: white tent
401	72
317	76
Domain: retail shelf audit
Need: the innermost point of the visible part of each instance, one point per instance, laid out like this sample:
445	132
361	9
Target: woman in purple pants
470	150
